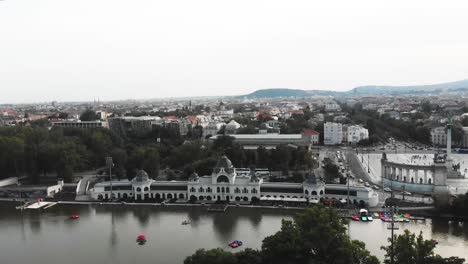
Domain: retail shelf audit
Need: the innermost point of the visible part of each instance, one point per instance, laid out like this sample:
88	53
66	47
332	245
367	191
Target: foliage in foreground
318	235
412	249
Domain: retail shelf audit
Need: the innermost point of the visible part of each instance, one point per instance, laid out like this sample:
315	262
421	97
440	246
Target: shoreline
414	211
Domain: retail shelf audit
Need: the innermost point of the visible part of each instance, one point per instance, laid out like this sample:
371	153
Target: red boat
355	218
141	239
74	216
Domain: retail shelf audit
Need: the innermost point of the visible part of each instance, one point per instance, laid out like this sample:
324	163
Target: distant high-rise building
332	133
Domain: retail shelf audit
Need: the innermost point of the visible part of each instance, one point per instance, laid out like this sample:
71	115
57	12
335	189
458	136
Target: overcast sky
111	49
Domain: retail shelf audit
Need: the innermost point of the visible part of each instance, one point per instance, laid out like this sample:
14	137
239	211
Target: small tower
449	139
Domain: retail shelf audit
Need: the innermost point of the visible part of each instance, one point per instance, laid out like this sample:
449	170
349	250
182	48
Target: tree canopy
411	249
318	235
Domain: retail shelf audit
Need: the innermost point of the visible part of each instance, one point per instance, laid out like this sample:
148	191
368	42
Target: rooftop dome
311	179
224	163
141	176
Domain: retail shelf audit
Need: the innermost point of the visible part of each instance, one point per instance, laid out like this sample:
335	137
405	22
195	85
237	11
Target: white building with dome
225	184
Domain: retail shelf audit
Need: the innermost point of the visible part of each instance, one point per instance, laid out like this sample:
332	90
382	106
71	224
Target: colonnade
409	174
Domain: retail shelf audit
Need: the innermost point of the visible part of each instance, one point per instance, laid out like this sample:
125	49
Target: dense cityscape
233	132
275	151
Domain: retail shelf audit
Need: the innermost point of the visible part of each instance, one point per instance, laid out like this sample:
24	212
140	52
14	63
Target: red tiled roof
310	132
297	112
192	118
170	117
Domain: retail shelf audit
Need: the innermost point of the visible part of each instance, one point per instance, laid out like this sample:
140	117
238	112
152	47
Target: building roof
224	163
310	132
141	176
170	117
265	136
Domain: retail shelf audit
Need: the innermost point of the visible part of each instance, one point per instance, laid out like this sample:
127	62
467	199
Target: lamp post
368	169
394	210
110	164
347	179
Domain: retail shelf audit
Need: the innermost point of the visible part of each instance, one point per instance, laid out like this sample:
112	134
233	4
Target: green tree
411	249
426	107
89	115
119	157
213	256
318	235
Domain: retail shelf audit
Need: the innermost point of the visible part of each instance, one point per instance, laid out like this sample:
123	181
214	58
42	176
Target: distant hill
415	89
371	90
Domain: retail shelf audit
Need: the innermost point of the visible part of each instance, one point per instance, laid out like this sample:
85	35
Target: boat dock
36	205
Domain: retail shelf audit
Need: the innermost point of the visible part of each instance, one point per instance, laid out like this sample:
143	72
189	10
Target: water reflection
142	215
440	228
113	232
35	222
106	234
224	224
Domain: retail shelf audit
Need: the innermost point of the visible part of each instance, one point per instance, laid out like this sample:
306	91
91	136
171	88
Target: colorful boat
74	216
364	214
141	239
235	244
355	218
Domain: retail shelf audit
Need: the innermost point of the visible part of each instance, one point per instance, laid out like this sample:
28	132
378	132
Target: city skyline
77	51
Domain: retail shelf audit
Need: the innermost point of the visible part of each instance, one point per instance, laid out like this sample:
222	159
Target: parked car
386	189
360	181
406	193
366	184
375	187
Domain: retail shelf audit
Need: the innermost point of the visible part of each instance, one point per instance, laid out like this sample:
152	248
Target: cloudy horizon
62	50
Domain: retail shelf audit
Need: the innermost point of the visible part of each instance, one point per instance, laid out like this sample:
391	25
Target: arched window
314	193
218	189
404	179
200	189
237	190
429	181
192	189
321	192
227	189
222	178
222	189
306	192
245	190
421	181
138	189
208	189
146	189
254	190
412	180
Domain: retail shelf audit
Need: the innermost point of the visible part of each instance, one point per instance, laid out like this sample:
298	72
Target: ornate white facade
225	184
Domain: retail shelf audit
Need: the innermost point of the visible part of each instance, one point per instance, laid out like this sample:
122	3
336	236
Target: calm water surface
106	234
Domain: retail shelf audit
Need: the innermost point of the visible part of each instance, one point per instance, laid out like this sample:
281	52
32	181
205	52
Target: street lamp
368	168
110	164
392	226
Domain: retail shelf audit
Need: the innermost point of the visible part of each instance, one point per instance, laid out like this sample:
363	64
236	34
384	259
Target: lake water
106	234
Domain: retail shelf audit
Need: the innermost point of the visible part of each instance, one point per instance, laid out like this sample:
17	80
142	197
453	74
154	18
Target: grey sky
85	49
